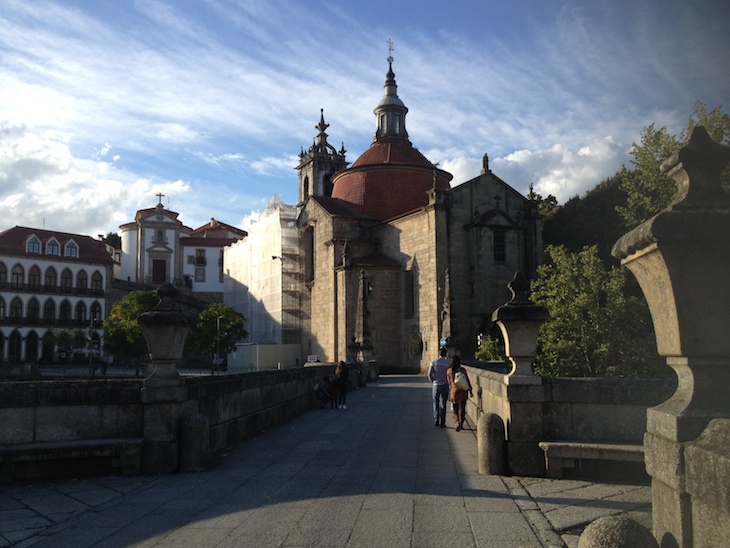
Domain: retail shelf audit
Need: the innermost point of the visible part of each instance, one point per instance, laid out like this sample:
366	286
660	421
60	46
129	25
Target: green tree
594	329
589	220
123	336
648	190
219	327
491	349
113	239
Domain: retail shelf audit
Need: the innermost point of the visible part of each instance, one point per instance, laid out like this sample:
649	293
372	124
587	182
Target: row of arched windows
49	313
50	280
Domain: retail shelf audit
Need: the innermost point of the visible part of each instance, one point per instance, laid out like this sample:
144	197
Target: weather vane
390	50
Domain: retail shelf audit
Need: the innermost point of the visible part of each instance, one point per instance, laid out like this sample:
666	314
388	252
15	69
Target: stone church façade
395	261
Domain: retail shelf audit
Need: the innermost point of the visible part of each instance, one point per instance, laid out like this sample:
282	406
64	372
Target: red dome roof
389	179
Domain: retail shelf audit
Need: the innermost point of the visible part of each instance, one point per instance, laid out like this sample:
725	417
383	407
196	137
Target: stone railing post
163	394
680	258
519	320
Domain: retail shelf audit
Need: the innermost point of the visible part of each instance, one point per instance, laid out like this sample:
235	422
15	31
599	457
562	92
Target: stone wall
43	421
563	409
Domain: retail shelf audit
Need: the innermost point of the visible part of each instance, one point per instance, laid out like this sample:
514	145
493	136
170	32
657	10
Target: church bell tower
318	164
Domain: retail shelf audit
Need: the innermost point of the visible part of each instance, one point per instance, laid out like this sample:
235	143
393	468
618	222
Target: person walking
440	387
343	378
459	390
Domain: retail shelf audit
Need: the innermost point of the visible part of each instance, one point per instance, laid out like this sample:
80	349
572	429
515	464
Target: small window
500	245
72	250
51	277
16	309
52	248
2	309
34	245
18	276
66	279
191	259
34	278
409	297
3	274
95	311
96	281
80	313
200	257
49	311
82	280
33	311
200	274
65	312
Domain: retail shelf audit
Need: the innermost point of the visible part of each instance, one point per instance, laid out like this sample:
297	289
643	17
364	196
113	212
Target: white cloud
560	170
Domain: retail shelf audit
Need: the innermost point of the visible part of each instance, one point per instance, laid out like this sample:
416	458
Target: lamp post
216	359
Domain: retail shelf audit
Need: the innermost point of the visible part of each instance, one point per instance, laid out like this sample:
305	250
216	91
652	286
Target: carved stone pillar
680	258
519	320
165	329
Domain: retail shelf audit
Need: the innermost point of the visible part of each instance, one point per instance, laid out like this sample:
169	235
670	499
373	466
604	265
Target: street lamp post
216	359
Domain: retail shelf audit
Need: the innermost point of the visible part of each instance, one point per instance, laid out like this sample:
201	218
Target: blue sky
105	103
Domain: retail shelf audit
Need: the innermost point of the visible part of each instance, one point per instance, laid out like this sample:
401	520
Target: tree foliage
648	190
590	220
491	349
594	329
123	336
209	334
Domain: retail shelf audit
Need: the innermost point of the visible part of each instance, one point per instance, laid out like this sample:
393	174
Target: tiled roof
337	208
13	242
389	179
393	152
215	224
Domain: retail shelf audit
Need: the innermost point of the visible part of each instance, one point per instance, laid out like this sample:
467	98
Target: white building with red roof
50	280
158	248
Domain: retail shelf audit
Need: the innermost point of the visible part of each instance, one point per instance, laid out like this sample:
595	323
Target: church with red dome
395	260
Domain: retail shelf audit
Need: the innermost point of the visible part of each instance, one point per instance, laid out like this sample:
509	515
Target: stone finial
696	167
165	328
519	319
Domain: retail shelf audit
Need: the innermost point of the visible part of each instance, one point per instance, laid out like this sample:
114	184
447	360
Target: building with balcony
50	281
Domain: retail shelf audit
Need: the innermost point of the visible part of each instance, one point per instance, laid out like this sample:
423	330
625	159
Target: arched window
2	309
34	278
53	248
33	310
97	282
51	277
65	312
34	245
82	281
16	309
66	279
18	276
95	311
3	274
80	313
72	250
49	311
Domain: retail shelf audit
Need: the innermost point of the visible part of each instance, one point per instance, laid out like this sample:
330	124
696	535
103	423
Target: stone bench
560	455
57	458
